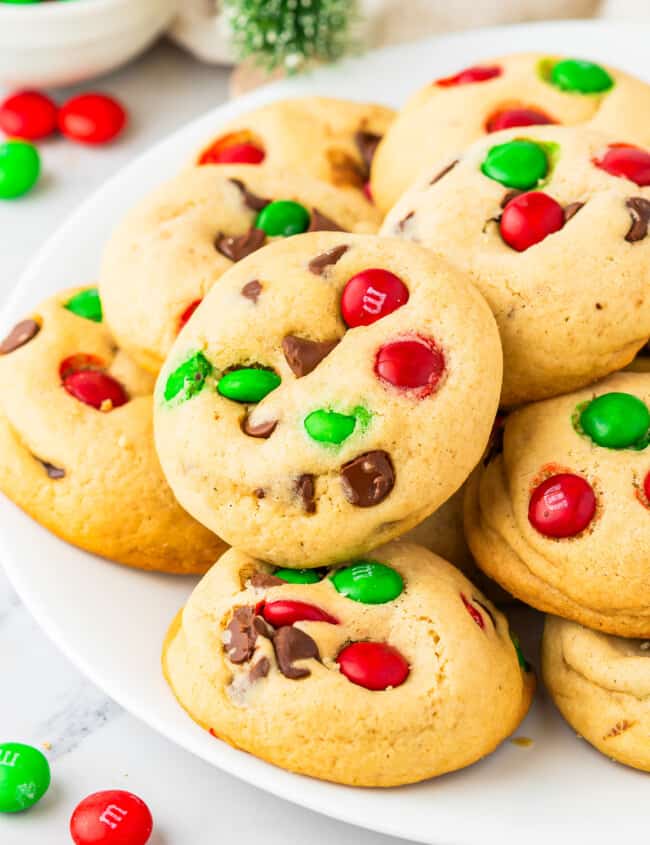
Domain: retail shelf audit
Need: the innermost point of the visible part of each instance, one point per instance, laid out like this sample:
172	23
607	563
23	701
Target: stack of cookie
335	304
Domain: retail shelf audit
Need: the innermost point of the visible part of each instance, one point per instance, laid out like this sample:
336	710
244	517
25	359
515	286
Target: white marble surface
91	743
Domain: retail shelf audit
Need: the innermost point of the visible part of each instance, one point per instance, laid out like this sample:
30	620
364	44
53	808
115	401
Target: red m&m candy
111	817
375	666
473	612
529	218
185	316
562	506
510	118
646	486
95	388
479	73
371	295
237	154
92	118
413	362
627	162
279	613
28	114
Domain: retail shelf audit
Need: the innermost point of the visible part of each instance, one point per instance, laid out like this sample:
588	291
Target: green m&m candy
189	379
329	426
580	77
616	421
24	776
249	384
299	576
368	582
517	164
20	166
283	218
86	304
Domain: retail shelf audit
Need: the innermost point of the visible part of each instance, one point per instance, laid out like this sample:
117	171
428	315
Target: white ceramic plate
111	621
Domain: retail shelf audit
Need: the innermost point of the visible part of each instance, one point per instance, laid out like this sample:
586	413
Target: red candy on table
92	118
627	162
479	73
111	817
374	666
371	295
95	388
279	613
562	506
185	316
529	218
510	118
413	362
29	115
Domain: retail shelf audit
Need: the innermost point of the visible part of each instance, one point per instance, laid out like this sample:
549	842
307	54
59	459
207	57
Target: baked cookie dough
601	685
320	137
331	392
76	442
519	90
172	247
551	225
384	671
561	517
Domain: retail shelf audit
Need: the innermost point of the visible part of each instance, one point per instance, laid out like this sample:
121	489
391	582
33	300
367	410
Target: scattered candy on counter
20	165
29	115
111	817
92	118
24	776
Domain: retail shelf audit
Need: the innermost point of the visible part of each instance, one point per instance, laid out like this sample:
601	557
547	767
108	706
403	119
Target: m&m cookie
561	516
169	250
508	92
551	224
601	685
76	441
329	394
385	670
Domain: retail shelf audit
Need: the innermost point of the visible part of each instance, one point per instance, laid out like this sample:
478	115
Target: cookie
320	137
601	685
76	442
551	225
173	246
385	671
331	392
560	518
519	90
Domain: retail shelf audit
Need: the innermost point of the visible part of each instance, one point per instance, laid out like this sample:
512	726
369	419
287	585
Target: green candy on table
189	378
580	77
517	164
24	776
20	166
86	304
283	218
20	2
299	576
616	421
368	582
329	426
248	384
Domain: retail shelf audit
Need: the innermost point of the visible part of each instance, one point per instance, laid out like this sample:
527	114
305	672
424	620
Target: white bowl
60	43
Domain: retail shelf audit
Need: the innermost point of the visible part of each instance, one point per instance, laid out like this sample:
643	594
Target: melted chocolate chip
571	210
305	488
367	143
51	470
241	644
639	209
304	355
318	264
510	195
21	334
318	222
443	172
263	580
402	223
260	670
251	200
252	290
262	430
237	247
291	644
368	479
259	492
263	628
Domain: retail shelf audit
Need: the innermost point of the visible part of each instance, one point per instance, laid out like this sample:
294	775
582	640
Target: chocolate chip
571	210
21	334
443	172
252	290
367	143
251	200
263	580
263	628
639	209
318	264
50	469
260	670
368	479
241	645
320	223
237	247
402	223
291	644
510	195
305	488
263	430
304	355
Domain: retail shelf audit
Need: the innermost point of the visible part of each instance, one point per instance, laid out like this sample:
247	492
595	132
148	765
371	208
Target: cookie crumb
522	741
